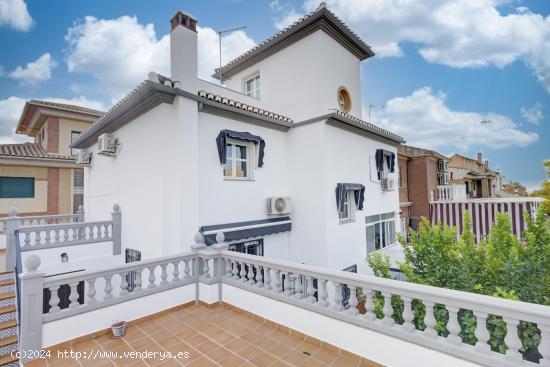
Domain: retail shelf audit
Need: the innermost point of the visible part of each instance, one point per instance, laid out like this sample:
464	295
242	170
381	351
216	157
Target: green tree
499	266
544	191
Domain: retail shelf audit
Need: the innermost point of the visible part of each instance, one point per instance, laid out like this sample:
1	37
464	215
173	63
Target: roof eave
322	19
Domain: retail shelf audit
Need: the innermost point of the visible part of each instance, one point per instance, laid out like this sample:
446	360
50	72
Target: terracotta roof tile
244	106
370	125
29	150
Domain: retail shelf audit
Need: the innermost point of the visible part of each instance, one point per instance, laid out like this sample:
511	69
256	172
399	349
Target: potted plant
118	329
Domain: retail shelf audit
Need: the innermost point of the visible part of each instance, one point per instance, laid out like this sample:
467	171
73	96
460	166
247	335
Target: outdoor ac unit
106	145
278	206
83	157
387	184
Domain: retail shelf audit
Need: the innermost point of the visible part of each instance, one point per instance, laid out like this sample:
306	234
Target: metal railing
314	289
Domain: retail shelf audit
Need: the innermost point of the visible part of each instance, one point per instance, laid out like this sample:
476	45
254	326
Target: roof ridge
320	8
369	124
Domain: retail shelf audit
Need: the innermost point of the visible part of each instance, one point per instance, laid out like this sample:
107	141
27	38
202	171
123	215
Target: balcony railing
215	274
448	193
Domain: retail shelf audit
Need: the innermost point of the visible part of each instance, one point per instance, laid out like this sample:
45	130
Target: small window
16	187
238	164
442	178
380	231
344	100
74	136
348	215
252	86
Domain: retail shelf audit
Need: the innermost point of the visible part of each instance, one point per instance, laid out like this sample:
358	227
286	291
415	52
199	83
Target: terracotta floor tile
326	356
342	361
295	358
263	359
308	347
312	362
219	353
207	347
201	362
196	340
278	349
232	361
248	352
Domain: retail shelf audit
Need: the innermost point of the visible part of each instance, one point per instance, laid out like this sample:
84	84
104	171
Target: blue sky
441	67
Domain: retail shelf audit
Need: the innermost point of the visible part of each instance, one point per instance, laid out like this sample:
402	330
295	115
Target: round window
344	100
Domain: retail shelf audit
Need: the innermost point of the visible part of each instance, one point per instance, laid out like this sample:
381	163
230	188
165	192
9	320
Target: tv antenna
220	33
371	108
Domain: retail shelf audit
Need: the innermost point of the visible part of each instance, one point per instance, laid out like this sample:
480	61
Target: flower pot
118	329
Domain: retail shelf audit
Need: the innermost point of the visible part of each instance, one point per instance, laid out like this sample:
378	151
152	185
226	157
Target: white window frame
386	223
255	92
250	161
350	204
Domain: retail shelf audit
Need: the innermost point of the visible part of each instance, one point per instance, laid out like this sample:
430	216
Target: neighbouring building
479	180
311	182
41	177
421	171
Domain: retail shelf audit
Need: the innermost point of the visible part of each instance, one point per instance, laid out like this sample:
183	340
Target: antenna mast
220	33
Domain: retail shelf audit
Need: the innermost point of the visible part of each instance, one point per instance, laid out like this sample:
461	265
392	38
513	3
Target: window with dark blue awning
221	142
342	191
244	230
389	157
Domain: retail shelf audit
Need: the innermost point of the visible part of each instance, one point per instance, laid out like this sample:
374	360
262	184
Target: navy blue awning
244	230
358	194
390	160
221	142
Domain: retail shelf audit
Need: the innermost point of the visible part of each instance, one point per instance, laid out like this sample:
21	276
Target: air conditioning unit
278	206
84	157
387	184
106	144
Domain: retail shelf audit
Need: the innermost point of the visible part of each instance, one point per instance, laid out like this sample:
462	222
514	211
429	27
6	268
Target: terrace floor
216	336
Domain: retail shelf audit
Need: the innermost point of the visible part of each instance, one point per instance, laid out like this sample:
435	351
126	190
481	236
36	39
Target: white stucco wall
301	81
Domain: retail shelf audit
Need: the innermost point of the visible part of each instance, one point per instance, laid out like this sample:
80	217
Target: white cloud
36	71
457	33
120	52
289	17
533	114
14	14
424	119
11	108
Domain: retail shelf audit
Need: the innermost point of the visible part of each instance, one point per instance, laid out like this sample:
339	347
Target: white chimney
183	51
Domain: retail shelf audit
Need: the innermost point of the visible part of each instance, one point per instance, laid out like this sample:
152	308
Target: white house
182	155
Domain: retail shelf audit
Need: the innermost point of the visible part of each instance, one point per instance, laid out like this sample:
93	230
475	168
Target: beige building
41	177
480	181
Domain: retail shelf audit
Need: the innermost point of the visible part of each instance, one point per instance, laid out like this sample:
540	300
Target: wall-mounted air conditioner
278	206
387	184
84	157
106	144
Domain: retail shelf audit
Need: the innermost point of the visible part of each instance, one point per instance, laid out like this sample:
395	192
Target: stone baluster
123	284
453	326
299	287
250	275
228	268
90	296
259	278
369	304
235	270
47	237
544	346
267	278
277	280
286	284
57	235
388	310
108	287
408	315
27	240
73	296
338	306
322	292
176	271
243	272
481	333
186	269
310	290
353	302
65	235
54	299
137	280
430	320
152	278
512	340
205	268
163	274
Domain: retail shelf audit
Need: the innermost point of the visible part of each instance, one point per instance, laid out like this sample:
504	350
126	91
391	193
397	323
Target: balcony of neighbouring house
449	193
261	311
